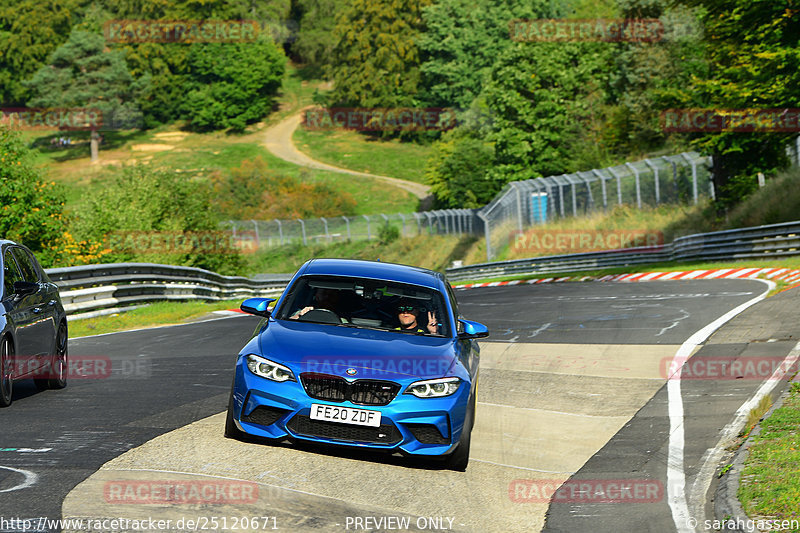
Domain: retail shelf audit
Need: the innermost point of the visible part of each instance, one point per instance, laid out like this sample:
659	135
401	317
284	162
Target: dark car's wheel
6	365
56	373
231	430
459	459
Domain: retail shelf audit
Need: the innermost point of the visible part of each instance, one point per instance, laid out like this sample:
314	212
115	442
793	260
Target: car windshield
366	303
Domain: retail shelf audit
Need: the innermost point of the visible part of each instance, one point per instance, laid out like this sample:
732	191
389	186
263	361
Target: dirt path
278	140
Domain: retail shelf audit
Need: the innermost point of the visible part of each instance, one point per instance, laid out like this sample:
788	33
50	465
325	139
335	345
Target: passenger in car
408	315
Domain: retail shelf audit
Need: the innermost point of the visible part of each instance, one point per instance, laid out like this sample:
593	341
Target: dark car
33	324
341	361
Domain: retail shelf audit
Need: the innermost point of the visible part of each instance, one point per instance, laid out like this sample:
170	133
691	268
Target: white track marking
676	476
713	456
30	479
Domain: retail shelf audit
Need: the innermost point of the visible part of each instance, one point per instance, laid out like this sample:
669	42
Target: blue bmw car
360	354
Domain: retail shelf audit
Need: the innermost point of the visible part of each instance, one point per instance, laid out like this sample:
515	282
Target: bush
31	212
147	215
254	191
388	233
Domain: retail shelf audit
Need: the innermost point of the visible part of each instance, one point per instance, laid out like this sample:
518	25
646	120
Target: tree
458	171
546	101
753	48
375	61
647	76
81	73
31	211
461	42
315	38
231	84
29	32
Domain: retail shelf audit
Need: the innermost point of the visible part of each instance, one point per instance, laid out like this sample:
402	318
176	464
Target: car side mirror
25	288
472	330
257	306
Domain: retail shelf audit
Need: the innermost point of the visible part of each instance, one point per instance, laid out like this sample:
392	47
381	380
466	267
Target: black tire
459	458
6	366
56	370
231	430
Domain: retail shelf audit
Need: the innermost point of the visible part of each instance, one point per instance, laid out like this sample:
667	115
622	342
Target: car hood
356	353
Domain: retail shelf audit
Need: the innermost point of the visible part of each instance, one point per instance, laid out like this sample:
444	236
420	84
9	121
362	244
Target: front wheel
6	364
459	459
231	430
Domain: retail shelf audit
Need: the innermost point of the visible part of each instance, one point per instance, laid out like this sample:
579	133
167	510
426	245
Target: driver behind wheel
323	299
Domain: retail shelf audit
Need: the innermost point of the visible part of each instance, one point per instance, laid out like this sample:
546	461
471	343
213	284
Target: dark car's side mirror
25	288
472	330
257	306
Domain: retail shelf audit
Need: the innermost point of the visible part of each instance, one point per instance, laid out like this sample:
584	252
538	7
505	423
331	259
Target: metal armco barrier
99	289
760	242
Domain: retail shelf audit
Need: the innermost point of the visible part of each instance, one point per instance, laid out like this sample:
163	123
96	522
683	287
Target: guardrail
94	290
760	242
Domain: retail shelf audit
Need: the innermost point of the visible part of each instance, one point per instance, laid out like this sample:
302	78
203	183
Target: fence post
429	217
327	233
488	236
369	234
280	230
654	168
638	187
574	195
303	225
674	176
347	223
694	175
519	204
602	188
417	217
255	225
403	222
711	175
619	184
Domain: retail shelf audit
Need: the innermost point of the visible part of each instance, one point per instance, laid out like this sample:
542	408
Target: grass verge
353	151
435	252
156	314
770	485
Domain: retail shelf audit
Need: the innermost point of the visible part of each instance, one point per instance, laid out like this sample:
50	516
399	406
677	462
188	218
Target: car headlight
268	369
434	388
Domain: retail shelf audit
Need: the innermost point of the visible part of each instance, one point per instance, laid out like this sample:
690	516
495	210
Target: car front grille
337	389
264	415
385	434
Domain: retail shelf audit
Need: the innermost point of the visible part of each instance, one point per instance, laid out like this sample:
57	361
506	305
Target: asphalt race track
573	393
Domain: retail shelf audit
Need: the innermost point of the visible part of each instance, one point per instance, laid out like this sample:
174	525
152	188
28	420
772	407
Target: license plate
345	415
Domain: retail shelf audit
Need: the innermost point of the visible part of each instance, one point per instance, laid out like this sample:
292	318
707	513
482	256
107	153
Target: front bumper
409	425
